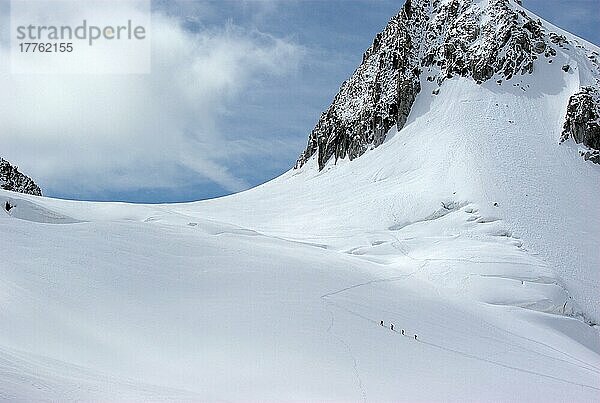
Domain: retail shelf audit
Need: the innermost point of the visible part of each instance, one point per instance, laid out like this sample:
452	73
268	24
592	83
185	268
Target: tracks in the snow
382	280
359	381
579	363
327	302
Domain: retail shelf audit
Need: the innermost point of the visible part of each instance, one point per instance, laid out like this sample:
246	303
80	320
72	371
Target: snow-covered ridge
436	40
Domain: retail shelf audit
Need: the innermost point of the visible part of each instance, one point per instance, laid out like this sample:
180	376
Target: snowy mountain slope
439	39
472	227
172	306
448	152
288	281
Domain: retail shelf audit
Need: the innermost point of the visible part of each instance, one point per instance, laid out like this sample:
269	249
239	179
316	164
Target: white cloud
96	132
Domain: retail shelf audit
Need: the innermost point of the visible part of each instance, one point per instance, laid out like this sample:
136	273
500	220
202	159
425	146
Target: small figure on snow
402	332
8	206
381	323
392	326
415	337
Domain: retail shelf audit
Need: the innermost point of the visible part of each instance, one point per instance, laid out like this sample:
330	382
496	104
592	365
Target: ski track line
382	280
474	357
509	366
359	381
327	303
379	280
596	369
578	364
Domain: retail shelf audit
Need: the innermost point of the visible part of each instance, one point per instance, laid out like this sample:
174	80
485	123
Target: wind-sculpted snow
435	40
28	211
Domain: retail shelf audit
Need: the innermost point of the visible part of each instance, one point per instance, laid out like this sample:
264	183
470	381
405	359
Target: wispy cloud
135	131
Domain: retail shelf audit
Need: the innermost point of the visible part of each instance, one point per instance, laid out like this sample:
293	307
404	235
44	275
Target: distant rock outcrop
582	123
13	180
441	39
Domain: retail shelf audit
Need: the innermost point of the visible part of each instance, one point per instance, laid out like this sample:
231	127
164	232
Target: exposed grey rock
445	39
582	122
13	180
379	94
593	156
468	41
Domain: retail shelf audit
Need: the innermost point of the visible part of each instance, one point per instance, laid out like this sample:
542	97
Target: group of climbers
392	328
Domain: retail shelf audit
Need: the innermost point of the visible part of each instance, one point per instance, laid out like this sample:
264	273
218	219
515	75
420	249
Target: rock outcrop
13	180
481	40
582	123
378	96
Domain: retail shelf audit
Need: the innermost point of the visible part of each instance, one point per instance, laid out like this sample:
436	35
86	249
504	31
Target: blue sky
244	121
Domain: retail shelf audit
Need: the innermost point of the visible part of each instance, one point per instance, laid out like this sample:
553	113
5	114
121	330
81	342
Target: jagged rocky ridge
582	123
439	38
13	180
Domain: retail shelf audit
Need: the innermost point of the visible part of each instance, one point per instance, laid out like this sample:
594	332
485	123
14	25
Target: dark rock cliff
13	180
378	96
582	123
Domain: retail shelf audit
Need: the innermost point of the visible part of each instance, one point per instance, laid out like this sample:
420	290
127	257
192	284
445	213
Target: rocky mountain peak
433	40
13	180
